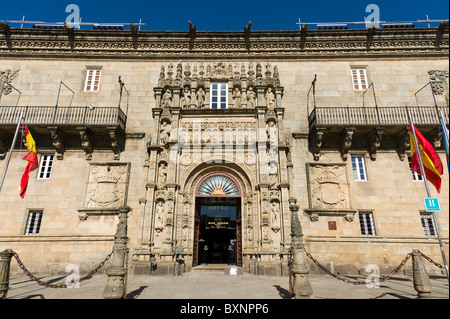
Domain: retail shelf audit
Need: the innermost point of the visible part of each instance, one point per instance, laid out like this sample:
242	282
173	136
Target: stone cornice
413	43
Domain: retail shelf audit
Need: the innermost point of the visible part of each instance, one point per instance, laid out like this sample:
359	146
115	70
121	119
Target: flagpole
424	177
445	136
11	150
418	153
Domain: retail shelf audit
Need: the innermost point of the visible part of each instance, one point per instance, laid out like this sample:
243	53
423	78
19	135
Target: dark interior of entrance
217	228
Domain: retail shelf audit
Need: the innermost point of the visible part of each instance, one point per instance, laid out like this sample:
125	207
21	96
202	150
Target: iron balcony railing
377	116
67	116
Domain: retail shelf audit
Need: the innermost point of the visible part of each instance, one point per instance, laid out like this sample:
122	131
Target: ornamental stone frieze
307	44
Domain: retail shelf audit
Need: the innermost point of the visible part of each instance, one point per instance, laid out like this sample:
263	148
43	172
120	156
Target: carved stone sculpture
275	212
237	97
159	217
201	98
107	186
439	83
167	99
6	77
251	98
270	98
186	98
164	133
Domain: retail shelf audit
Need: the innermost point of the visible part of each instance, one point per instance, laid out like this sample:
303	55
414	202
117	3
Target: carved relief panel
106	189
328	191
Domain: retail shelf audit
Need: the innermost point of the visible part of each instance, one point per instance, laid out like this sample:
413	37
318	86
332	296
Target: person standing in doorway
232	251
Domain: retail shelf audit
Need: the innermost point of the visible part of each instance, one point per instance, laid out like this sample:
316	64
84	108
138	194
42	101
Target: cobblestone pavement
218	285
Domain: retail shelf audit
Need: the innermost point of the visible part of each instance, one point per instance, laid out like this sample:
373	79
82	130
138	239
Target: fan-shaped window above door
218	185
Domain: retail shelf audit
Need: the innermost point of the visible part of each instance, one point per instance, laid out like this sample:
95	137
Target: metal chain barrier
42	283
382	279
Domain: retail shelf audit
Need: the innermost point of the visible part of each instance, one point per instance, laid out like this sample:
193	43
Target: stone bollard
421	280
115	286
5	261
301	287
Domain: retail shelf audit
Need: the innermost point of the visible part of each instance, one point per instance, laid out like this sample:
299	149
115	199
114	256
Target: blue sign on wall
432	205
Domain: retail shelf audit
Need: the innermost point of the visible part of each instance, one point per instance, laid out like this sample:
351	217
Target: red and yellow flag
431	161
31	157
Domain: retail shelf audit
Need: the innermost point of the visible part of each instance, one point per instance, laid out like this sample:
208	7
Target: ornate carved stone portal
192	140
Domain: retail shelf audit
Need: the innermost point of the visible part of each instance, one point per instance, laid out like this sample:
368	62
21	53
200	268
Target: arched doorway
218	221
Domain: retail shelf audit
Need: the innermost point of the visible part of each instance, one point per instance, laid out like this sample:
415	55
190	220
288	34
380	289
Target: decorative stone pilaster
421	279
5	261
301	287
115	287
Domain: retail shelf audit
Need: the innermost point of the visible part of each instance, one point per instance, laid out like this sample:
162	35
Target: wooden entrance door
196	233
238	233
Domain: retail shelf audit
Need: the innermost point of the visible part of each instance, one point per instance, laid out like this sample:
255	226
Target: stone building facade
209	137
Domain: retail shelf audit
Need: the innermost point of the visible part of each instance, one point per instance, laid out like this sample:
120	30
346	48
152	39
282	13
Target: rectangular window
415	176
359	78
92	82
359	170
219	95
33	222
428	225
45	167
366	224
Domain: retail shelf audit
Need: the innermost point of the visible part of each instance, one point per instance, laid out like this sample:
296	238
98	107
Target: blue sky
230	15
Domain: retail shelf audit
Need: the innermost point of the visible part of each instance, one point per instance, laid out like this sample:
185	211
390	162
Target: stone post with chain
115	286
301	287
421	280
5	262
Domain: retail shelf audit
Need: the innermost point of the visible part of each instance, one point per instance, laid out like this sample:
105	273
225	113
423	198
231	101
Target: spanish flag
31	157
431	161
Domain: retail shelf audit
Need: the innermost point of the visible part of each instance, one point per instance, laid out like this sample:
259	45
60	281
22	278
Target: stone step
224	268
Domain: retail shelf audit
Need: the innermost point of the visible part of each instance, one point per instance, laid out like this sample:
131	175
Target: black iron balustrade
66	116
377	116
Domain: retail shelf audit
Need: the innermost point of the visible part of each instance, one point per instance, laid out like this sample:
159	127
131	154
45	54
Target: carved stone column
301	287
421	280
5	261
115	287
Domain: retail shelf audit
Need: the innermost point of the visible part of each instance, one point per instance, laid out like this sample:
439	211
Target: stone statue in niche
162	174
271	131
186	98
237	97
201	98
275	212
159	217
251	98
273	173
164	133
270	98
167	99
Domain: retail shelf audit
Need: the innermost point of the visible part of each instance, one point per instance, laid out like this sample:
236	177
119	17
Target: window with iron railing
428	225
33	222
366	224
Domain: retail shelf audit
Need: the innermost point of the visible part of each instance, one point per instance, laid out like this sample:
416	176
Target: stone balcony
372	128
63	128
